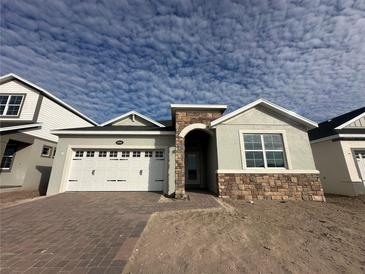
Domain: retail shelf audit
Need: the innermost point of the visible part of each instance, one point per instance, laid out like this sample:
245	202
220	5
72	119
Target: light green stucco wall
259	118
62	160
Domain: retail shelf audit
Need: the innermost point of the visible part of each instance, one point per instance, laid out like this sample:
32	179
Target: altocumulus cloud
108	57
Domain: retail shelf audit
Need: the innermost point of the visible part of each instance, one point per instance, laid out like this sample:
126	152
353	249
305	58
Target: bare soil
264	237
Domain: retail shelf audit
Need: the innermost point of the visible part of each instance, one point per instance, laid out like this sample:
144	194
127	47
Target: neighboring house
339	152
260	151
27	115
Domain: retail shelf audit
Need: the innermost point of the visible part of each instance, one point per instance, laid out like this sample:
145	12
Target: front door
193	168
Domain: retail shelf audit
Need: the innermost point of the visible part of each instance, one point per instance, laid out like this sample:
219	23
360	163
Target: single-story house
27	115
339	152
260	151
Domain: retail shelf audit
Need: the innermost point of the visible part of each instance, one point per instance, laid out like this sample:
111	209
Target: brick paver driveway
85	232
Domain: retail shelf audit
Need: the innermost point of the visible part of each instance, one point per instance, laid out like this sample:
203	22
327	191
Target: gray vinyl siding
359	123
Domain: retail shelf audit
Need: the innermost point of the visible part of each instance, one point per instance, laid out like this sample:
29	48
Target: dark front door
193	168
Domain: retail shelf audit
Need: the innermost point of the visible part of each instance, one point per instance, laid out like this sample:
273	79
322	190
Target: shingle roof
121	128
327	128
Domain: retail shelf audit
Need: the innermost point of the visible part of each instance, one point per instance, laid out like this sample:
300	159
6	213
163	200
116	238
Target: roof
116	130
336	124
294	116
119	128
132	113
12	76
19	127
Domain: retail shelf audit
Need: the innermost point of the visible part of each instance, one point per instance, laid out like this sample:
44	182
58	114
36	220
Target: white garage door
117	170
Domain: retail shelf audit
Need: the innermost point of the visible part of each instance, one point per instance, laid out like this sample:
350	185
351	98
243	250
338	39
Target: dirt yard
264	237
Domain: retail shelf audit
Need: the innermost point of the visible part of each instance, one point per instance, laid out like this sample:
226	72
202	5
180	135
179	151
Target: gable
270	106
260	115
359	123
132	121
30	100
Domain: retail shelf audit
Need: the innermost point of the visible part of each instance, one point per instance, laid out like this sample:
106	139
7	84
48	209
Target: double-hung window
8	157
10	104
264	150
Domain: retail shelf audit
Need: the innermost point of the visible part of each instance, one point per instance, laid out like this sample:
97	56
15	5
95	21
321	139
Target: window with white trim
159	154
264	150
8	157
46	151
113	154
10	104
148	154
79	154
136	154
125	154
90	153
102	154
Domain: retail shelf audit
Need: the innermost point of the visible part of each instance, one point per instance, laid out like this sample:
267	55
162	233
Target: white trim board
351	121
48	94
82	132
132	113
268	171
3	129
197	106
342	135
308	123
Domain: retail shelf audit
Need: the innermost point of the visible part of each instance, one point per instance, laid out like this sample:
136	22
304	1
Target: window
148	154
10	104
136	154
264	150
102	153
90	153
46	151
8	157
125	154
54	153
79	153
113	154
159	154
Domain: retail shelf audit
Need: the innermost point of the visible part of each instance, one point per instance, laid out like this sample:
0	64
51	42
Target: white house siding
53	116
359	123
30	101
260	119
128	121
62	161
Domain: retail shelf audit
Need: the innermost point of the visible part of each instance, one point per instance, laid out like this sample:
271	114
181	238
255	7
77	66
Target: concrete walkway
81	232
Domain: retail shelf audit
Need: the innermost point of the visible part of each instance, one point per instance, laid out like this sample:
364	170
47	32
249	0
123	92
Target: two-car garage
117	170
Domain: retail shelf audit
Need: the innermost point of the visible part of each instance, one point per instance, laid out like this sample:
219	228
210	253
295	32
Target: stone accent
184	118
270	186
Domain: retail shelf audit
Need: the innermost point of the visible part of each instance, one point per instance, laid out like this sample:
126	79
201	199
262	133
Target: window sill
268	171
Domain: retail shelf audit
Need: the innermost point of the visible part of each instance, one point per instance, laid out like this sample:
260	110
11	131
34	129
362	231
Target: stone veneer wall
249	186
184	118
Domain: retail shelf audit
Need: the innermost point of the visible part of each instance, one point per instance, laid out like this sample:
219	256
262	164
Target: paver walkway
80	232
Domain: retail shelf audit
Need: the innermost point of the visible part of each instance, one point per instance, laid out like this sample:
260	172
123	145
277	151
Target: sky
109	57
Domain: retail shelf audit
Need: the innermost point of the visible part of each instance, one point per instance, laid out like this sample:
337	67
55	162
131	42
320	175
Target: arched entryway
200	160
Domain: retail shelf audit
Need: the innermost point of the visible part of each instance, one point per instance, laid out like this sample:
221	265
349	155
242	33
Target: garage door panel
117	170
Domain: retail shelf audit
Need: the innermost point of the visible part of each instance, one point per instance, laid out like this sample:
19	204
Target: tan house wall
258	119
336	163
29	171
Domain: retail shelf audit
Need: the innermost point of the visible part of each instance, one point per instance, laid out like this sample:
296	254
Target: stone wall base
254	186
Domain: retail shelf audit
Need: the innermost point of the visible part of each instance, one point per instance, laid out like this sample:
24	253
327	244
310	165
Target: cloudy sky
109	57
